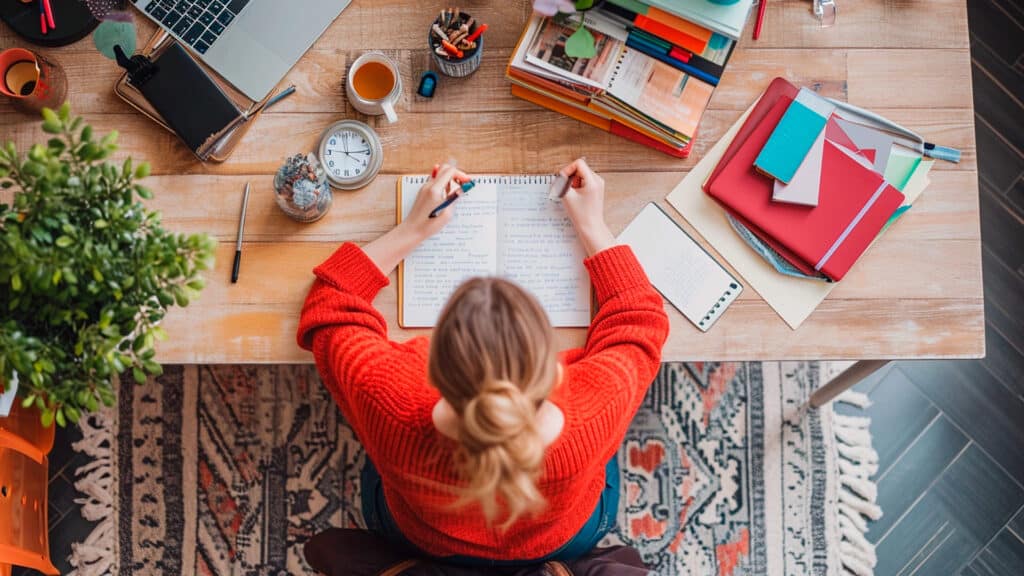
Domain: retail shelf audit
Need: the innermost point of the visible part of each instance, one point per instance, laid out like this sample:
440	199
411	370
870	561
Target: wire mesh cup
447	39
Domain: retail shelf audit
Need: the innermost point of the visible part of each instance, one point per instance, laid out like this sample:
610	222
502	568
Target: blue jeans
378	519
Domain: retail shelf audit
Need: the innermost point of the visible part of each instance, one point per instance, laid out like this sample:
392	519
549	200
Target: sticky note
790	142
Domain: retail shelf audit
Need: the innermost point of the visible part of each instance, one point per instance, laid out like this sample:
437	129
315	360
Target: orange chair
24	444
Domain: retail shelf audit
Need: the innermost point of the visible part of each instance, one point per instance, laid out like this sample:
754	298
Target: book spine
611	126
674	36
695	61
652	51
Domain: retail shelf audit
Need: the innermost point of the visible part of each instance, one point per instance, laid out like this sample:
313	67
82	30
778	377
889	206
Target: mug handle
389	111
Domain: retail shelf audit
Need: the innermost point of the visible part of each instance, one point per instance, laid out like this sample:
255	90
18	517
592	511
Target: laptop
251	43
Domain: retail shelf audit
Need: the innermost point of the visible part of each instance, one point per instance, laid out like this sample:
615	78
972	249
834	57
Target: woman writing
484	443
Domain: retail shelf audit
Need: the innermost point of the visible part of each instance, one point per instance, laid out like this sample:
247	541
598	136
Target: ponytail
493	358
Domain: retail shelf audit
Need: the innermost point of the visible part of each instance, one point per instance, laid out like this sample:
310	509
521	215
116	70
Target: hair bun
497	415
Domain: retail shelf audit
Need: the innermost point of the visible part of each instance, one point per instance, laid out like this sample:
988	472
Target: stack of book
654	68
815	183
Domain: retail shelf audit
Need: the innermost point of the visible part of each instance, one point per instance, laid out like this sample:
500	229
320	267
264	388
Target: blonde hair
493	358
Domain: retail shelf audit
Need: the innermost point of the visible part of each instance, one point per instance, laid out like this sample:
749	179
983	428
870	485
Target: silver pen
238	242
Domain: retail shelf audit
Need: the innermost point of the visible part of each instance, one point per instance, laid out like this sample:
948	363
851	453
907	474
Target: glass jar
301	188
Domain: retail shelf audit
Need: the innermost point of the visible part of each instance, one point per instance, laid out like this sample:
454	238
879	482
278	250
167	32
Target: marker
238	242
465	186
49	14
476	33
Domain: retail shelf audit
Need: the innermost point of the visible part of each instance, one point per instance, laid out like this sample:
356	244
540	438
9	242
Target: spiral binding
506	180
719	306
618	66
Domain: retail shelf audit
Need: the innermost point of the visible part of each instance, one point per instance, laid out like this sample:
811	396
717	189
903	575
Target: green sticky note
901	167
790	142
631	5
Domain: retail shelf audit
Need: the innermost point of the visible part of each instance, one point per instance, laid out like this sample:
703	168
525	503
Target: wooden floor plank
1015	8
1017	524
994	25
899	414
954	519
1004	289
973	399
914	472
998	165
1016	196
1002	72
1003	360
1004	556
998	108
1001	231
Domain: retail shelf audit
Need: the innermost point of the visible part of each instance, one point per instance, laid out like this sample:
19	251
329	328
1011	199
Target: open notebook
505	226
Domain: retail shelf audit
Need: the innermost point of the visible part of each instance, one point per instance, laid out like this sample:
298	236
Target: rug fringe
858	461
95	481
854	398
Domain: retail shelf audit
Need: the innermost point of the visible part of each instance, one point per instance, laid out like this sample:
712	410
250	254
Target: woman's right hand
584	202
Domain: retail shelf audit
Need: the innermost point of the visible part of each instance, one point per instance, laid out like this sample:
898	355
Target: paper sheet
792	298
538	249
465	249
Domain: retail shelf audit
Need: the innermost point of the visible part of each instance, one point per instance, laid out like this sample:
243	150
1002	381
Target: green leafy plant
86	271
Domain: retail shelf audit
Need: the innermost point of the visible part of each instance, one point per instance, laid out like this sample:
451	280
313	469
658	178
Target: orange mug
34	82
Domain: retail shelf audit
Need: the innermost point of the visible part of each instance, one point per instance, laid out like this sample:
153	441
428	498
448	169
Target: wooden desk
916	294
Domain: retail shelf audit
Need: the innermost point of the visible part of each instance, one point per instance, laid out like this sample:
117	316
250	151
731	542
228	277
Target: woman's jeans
379	519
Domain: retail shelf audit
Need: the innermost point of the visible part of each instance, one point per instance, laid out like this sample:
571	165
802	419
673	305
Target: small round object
351	154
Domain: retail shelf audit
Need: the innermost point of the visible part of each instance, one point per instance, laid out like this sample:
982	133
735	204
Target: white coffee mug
374	104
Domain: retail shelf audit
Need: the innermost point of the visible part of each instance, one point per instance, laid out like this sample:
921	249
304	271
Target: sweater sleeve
349	341
622	354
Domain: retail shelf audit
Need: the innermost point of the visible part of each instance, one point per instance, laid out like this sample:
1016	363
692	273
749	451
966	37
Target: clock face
351	154
346	154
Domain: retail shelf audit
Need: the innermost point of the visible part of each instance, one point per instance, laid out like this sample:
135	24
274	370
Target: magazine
547	51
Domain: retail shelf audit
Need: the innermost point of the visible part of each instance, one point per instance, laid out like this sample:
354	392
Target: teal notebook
790	142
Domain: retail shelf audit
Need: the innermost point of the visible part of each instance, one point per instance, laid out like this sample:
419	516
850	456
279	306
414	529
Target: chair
24	445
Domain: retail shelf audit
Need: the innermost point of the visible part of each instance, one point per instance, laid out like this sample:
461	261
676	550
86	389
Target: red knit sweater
382	389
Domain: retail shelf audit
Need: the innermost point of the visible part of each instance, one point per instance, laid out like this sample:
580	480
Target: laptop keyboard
197	23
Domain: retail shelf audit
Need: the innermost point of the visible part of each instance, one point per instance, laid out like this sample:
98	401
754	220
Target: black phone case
191	102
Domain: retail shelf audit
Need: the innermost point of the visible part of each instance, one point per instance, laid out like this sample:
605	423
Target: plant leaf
580	44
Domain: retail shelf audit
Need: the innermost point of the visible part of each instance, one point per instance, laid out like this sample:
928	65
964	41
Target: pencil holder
454	33
301	188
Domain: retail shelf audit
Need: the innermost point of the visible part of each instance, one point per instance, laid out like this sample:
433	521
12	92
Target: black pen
466	187
238	242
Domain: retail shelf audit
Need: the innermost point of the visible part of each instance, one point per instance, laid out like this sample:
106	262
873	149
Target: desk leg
845	380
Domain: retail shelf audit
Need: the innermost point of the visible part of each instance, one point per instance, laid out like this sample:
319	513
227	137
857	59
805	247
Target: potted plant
86	271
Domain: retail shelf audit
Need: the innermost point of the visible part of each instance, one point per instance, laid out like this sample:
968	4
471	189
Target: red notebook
854	204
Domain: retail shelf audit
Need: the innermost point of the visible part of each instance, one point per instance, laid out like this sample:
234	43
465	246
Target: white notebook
505	226
684	273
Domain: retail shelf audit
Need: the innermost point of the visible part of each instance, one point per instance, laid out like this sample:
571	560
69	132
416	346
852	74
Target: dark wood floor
950	435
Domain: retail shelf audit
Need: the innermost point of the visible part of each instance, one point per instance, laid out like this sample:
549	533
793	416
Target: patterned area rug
228	470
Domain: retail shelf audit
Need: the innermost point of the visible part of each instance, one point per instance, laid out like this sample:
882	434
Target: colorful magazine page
666	95
547	51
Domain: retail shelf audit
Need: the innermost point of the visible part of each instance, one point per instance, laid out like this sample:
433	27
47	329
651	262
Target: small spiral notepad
684	273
